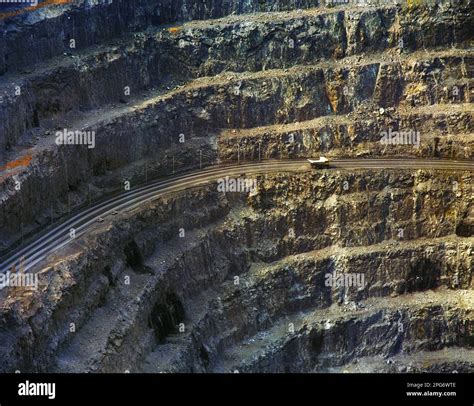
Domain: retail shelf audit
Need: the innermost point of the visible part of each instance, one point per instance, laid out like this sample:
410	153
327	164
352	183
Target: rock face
140	91
246	287
315	271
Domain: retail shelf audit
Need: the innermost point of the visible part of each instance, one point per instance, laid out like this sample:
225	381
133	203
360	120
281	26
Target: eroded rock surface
313	271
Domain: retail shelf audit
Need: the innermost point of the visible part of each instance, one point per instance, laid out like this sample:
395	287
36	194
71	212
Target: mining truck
322	162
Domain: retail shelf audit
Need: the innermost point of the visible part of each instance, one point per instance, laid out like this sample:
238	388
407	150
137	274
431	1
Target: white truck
322	162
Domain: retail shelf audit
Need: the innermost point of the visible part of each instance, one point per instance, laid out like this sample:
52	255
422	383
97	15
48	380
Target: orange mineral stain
17	163
174	30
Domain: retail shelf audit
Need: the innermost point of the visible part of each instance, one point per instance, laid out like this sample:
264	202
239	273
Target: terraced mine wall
314	271
89	24
146	59
219	282
144	92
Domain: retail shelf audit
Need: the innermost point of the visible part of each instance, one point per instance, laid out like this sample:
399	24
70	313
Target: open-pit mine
158	211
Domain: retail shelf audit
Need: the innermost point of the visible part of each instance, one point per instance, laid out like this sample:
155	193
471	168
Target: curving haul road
44	244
